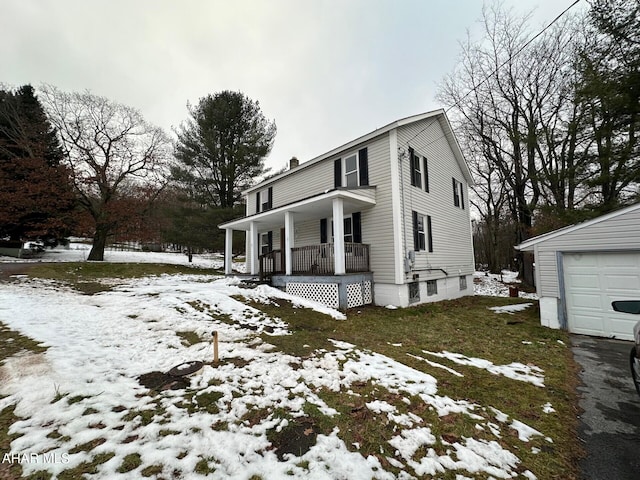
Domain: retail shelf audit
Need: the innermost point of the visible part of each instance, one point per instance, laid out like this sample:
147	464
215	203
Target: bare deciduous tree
514	107
111	150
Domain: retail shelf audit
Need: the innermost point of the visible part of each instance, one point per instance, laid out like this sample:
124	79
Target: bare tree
513	101
111	150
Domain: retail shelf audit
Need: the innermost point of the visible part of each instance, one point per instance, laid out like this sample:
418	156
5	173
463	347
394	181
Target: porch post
228	250
338	236
289	235
253	246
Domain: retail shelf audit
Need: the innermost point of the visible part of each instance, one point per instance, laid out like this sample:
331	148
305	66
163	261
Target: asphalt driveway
610	423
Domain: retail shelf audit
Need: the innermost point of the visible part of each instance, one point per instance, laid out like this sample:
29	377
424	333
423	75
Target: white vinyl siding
302	184
615	234
451	226
377	222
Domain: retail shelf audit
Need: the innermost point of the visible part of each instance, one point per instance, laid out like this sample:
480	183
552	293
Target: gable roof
444	123
528	244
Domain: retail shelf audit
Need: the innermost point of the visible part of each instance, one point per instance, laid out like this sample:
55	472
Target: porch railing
315	260
271	263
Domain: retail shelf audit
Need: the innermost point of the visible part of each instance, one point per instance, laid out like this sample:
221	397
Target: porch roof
310	208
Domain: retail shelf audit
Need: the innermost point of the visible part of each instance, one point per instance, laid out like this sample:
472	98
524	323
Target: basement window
414	292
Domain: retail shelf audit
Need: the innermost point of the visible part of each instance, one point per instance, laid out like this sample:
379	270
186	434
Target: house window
266	242
419	170
463	283
422	237
264	200
414	292
414	165
458	194
432	287
353	170
348	229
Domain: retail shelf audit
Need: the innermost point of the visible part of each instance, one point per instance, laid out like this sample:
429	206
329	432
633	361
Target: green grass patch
130	462
11	343
189	338
464	326
90	468
203	468
194	401
151	471
87	447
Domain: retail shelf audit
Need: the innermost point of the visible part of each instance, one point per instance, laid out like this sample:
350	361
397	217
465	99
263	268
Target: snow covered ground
78	252
84	390
493	285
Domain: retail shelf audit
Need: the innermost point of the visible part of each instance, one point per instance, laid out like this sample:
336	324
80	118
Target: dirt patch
160	381
296	438
7	270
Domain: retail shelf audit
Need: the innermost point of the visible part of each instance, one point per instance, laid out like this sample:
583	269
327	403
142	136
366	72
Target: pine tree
221	148
36	199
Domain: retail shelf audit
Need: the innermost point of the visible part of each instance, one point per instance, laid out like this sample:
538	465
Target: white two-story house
383	219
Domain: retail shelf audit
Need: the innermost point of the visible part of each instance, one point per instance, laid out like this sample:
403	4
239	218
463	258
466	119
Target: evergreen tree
36	198
610	68
221	148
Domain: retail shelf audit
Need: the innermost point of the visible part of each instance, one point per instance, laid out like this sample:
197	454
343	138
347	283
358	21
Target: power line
518	52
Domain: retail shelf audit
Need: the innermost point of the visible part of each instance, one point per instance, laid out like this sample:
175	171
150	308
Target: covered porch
315	260
325	258
321	256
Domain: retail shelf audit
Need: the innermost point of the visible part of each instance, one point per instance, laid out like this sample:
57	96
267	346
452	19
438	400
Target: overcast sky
327	71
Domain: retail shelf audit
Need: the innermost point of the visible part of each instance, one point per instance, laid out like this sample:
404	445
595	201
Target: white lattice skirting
358	294
325	293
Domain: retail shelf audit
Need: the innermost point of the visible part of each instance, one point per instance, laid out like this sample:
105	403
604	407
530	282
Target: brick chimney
293	163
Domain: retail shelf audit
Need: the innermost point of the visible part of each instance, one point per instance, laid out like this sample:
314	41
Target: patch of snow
437	365
515	371
548	408
493	285
510	309
84	388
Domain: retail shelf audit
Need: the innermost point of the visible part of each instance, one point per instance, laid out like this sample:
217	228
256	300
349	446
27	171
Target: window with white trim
458	194
348	229
265	243
422	232
419	170
264	200
351	172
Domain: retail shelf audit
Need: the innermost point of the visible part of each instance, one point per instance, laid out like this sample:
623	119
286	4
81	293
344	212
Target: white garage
592	282
581	269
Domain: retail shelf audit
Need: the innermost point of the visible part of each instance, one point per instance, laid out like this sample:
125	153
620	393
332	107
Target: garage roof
529	244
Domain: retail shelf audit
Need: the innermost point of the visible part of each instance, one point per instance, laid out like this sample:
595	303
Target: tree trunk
99	243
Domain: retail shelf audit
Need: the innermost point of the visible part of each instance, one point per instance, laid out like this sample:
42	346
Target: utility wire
518	52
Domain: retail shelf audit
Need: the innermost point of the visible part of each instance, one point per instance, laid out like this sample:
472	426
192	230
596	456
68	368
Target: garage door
592	282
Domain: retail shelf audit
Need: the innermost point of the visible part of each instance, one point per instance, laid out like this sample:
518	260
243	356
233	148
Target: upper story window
352	170
458	194
419	170
264	200
351	177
